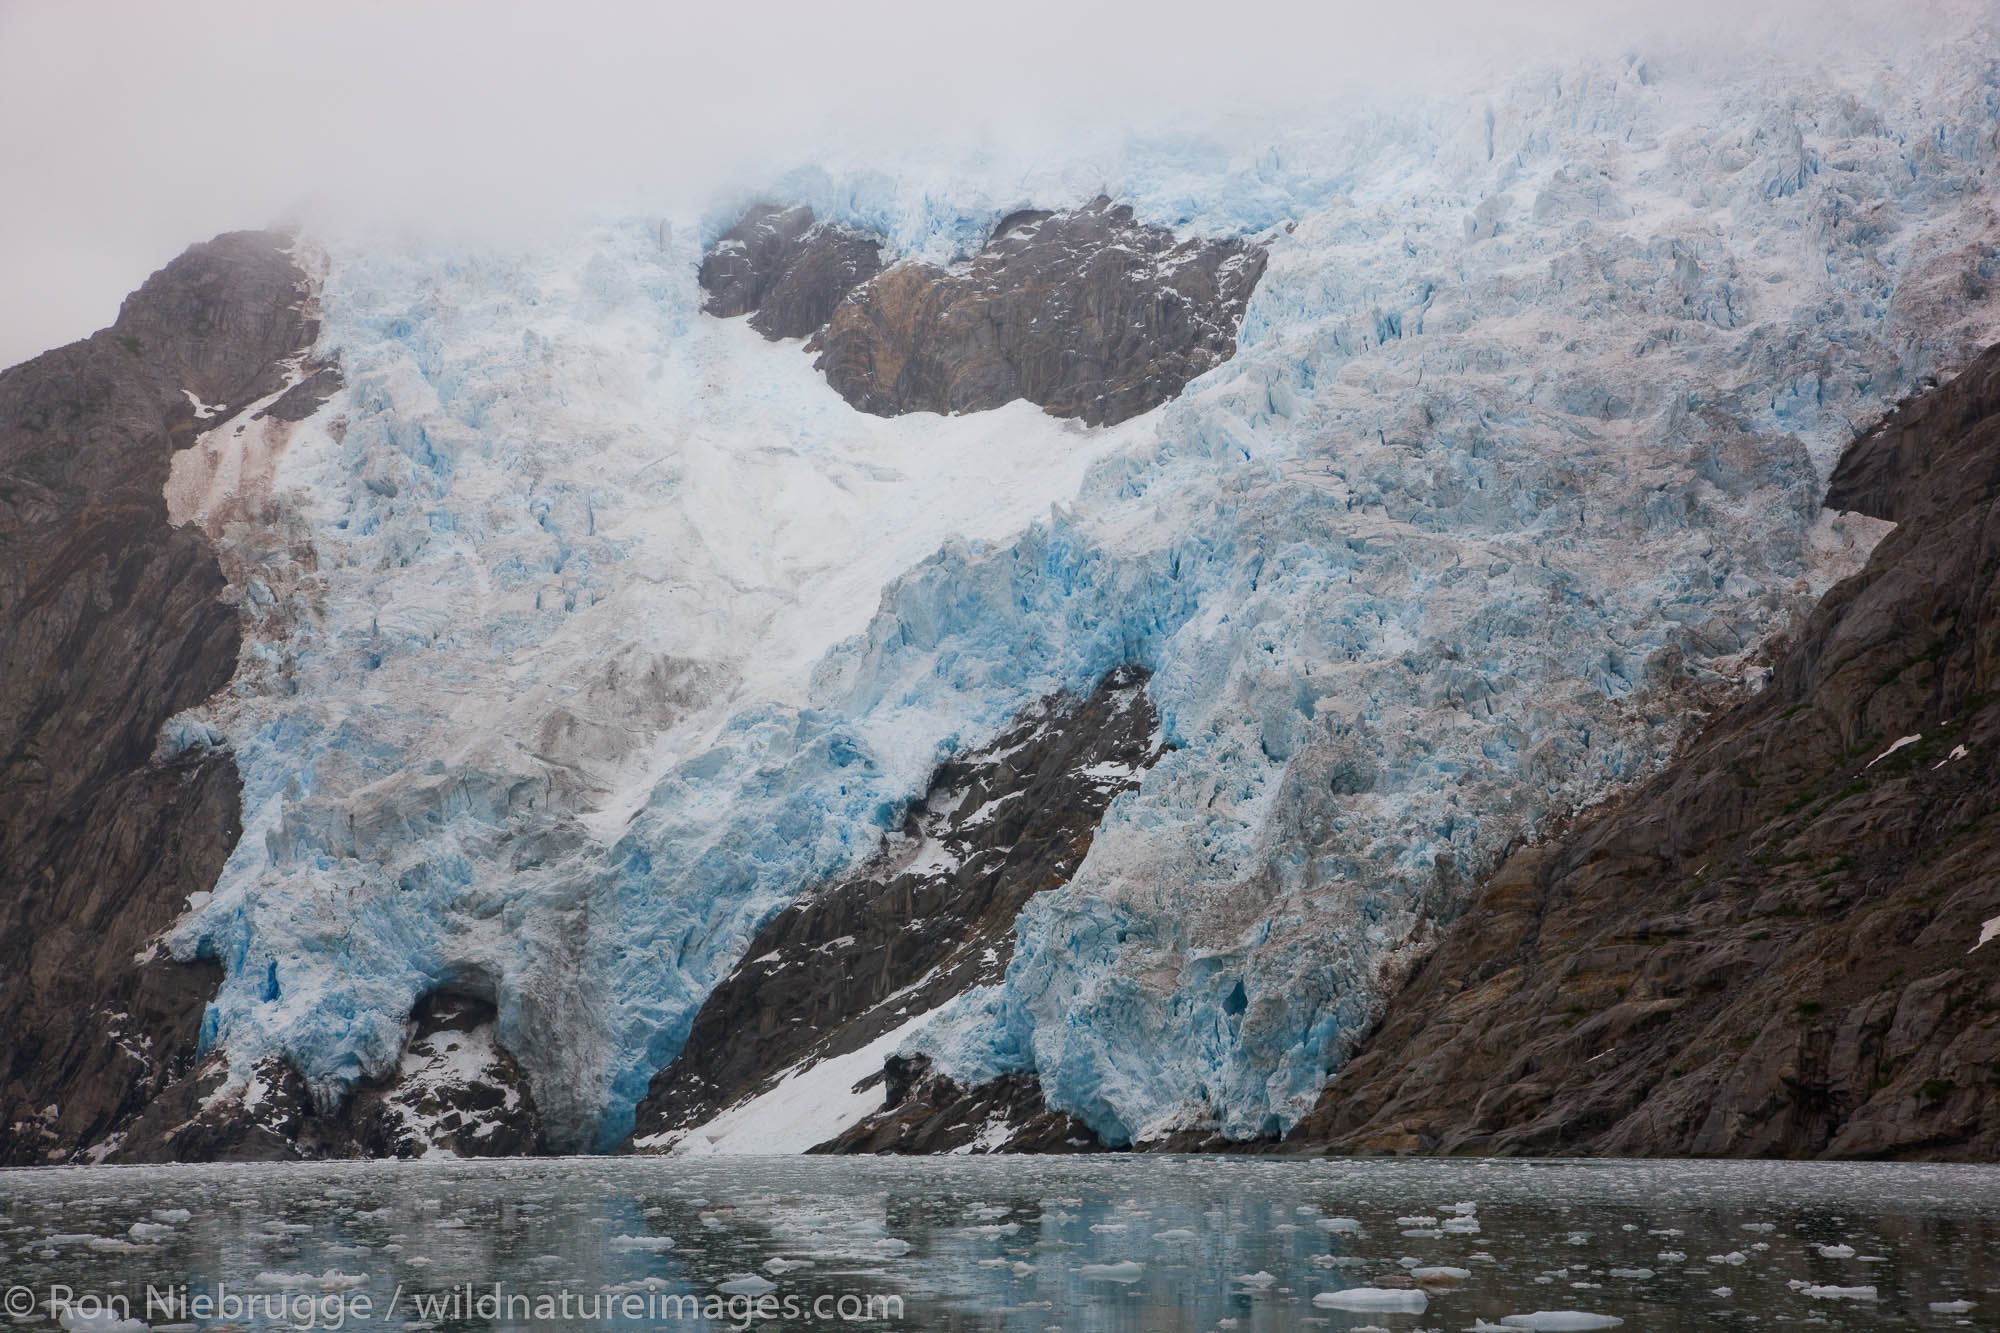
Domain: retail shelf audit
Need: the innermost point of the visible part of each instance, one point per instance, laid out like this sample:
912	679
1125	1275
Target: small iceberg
1407	1301
1125	1270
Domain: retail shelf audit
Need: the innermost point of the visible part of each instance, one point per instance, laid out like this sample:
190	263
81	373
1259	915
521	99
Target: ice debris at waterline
587	630
971	1244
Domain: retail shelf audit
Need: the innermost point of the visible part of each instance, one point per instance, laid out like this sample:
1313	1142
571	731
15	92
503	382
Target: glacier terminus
585	630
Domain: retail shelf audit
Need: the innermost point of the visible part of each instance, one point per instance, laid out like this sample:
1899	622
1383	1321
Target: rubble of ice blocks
621	630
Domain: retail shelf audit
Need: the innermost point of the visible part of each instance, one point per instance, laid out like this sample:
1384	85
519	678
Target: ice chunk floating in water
1373	1298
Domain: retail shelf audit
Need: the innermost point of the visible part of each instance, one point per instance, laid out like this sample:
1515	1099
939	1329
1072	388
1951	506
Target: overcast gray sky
129	130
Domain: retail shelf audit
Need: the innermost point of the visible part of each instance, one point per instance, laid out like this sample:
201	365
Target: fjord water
1125	1243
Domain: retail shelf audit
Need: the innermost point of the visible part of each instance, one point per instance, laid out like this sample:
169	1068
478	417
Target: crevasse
622	629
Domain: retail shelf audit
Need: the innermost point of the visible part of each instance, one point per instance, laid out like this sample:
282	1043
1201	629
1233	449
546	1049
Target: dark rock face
1085	313
110	624
932	915
925	1112
785	271
457	1090
1772	948
1888	471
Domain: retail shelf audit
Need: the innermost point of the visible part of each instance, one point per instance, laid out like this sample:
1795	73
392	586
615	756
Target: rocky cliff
1783	945
786	271
111	621
456	1090
1086	313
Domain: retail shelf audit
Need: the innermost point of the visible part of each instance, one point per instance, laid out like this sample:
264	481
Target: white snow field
590	630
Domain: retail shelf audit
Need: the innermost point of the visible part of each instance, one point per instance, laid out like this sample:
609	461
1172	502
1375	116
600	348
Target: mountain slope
1782	944
585	631
111	621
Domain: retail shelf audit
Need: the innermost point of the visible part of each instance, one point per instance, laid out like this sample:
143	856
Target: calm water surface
1034	1244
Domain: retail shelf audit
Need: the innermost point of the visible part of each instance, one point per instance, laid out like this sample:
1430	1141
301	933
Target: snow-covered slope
592	630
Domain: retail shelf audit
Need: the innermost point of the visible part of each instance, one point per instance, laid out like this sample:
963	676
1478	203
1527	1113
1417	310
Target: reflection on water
1033	1244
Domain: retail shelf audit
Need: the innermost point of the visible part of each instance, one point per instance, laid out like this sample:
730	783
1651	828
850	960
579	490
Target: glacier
586	631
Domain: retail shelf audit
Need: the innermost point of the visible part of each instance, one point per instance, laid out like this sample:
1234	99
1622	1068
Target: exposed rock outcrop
1781	945
1087	313
457	1091
925	1112
930	917
110	622
786	271
457	1088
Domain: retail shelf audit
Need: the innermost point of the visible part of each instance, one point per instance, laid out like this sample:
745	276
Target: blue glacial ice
588	631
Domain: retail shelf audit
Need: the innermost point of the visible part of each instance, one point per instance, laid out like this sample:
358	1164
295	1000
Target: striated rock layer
111	621
1783	945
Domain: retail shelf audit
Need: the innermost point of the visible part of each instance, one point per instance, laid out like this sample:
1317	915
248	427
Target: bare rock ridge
1776	947
110	622
1887	472
929	918
1086	313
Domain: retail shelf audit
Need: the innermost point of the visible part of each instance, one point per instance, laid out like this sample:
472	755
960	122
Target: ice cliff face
562	551
587	631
